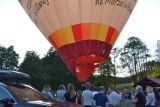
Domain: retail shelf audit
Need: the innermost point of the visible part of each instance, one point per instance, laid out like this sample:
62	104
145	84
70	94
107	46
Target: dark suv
13	93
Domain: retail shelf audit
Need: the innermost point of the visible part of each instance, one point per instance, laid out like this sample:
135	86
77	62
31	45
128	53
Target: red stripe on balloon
77	32
93	47
110	34
80	48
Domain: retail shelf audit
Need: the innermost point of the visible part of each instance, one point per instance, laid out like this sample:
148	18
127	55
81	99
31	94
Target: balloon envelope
82	31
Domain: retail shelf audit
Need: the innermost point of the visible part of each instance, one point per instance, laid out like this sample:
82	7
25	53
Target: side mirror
6	100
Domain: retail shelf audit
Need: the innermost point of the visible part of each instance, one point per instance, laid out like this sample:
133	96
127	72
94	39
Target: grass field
120	87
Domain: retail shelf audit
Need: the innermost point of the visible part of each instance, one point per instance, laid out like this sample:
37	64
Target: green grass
120	87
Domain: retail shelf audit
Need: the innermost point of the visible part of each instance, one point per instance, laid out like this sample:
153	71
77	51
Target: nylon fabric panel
103	32
77	32
93	47
109	34
114	37
95	31
86	31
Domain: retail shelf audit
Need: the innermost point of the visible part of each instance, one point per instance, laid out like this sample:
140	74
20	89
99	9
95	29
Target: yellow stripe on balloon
61	37
95	30
114	37
68	35
103	32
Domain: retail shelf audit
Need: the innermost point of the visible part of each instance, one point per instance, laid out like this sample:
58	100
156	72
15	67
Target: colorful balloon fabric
82	31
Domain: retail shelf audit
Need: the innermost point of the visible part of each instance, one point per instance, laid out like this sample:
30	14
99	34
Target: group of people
149	98
62	94
141	98
91	96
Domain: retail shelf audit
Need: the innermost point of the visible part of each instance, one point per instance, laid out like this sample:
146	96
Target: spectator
113	97
150	97
87	96
47	91
61	92
70	95
95	90
139	99
156	93
127	96
100	98
79	96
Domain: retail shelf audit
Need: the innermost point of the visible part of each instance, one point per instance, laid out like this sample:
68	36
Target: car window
4	93
25	93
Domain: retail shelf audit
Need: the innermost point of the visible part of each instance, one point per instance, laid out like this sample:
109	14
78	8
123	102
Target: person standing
151	99
61	92
95	90
79	96
156	93
70	95
127	96
87	96
47	91
113	98
100	98
140	98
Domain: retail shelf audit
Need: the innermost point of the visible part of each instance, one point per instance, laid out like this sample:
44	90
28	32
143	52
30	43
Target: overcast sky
18	30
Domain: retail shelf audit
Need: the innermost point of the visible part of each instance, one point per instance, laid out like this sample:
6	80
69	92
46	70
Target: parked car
15	93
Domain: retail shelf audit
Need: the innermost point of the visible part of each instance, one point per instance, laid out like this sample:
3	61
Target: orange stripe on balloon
109	34
86	31
114	38
60	36
95	30
54	41
77	32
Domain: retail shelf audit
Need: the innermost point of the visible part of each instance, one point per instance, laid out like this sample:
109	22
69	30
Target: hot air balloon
82	31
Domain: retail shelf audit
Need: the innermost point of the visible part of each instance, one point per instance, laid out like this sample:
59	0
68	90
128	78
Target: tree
8	58
153	68
133	57
30	62
105	71
32	66
115	53
156	73
49	69
56	68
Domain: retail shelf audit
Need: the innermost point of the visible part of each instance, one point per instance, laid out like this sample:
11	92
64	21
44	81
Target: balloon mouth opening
85	65
89	60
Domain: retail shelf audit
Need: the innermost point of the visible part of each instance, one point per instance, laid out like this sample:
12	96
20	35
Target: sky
17	29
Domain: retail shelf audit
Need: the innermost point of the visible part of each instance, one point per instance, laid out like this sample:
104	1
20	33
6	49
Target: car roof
13	76
2	84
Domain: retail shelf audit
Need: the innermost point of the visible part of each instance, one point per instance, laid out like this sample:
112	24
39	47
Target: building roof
153	82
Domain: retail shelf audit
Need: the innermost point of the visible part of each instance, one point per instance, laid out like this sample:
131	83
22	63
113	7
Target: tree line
133	58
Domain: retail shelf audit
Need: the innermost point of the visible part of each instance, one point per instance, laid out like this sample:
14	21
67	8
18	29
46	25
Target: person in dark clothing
70	95
140	98
127	96
100	98
79	96
156	93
